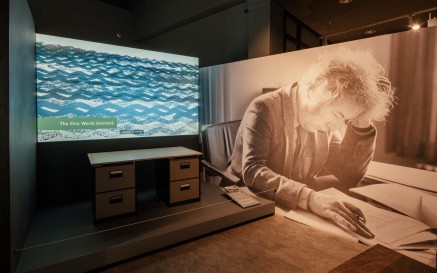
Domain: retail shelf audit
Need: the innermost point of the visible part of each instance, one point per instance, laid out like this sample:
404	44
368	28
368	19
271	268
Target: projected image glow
88	90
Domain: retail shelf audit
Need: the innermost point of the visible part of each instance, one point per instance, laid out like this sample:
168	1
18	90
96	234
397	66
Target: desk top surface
141	154
272	244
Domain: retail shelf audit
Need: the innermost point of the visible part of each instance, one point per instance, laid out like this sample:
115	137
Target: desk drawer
184	190
115	177
184	168
115	203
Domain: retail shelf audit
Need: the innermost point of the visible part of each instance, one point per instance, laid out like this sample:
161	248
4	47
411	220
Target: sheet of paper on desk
421	240
387	226
312	220
412	202
412	177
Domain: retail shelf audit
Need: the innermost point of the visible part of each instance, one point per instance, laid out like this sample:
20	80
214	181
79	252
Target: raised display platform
66	239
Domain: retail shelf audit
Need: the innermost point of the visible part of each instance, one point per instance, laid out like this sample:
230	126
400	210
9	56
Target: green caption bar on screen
76	123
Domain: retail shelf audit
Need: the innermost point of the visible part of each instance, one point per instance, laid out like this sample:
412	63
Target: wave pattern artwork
79	89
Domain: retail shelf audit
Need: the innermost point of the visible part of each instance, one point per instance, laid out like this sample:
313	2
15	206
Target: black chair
218	144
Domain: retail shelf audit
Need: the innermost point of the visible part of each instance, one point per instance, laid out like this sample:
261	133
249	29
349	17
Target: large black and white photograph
328	133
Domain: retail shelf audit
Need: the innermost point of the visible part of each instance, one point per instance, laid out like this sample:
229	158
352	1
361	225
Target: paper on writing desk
412	177
412	202
387	226
312	220
426	238
391	182
429	210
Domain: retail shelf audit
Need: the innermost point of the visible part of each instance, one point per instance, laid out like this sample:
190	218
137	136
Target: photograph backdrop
408	136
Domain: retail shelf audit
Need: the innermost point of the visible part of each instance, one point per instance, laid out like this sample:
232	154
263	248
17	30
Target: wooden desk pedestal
114	190
180	181
115	184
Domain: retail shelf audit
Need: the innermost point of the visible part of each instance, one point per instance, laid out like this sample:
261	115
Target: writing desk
104	158
272	244
115	184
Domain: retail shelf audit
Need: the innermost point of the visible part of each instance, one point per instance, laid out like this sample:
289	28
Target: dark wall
5	230
64	173
22	123
214	31
83	19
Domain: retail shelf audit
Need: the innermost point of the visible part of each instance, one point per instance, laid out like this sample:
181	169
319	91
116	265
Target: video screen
88	90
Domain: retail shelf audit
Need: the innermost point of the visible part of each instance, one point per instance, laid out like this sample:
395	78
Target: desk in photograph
272	244
115	185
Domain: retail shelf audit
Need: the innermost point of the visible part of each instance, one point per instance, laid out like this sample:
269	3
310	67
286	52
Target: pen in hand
362	229
360	221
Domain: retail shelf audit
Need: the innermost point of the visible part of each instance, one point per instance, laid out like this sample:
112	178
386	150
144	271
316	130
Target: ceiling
346	22
337	22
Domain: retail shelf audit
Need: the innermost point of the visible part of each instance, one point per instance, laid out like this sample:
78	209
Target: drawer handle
184	165
115	174
185	187
116	199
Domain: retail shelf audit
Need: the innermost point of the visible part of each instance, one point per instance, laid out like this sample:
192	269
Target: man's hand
342	213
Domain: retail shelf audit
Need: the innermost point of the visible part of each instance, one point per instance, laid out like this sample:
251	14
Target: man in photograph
321	124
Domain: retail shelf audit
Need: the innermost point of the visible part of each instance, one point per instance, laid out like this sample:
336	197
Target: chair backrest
218	142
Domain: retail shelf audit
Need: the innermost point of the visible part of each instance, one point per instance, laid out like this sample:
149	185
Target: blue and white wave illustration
154	97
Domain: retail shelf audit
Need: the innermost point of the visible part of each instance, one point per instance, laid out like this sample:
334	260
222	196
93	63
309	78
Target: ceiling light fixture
415	27
344	1
411	24
370	32
326	37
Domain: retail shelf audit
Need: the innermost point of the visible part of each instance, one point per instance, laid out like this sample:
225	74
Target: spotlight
412	25
415	27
